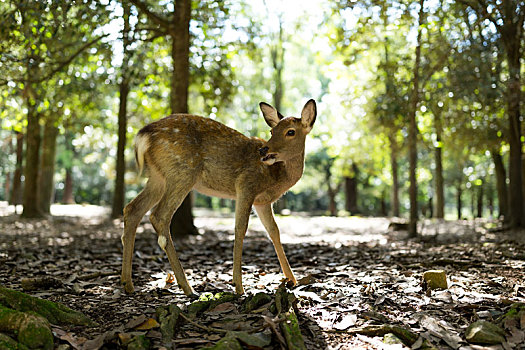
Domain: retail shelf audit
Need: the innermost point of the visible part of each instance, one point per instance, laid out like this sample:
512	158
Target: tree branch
63	64
154	17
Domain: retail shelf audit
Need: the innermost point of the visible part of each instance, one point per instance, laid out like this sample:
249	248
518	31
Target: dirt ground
355	273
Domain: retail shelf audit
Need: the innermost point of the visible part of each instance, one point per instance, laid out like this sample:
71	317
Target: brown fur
184	152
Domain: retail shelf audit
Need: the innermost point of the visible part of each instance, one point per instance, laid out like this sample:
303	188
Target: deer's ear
271	116
308	115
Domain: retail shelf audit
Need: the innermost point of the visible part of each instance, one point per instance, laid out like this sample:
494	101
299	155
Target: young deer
184	152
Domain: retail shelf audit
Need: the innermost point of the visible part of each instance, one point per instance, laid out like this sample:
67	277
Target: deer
182	152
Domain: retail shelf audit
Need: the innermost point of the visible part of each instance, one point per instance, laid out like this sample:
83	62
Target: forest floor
356	274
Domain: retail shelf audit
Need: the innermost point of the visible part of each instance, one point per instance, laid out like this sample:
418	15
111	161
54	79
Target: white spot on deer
162	241
176	130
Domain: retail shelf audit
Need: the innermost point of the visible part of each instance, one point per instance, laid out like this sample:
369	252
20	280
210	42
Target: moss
31	330
54	312
8	343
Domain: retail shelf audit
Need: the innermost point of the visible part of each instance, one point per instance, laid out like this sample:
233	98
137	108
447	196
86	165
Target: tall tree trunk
517	214
395	177
277	54
501	183
412	130
68	197
440	190
31	173
15	197
351	191
47	166
459	204
182	222
124	87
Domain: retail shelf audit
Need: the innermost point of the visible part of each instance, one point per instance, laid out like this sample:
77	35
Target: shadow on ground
353	272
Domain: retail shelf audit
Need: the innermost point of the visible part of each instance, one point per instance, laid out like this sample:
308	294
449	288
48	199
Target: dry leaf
150	323
170	278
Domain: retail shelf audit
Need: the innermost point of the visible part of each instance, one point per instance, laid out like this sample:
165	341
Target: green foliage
354	58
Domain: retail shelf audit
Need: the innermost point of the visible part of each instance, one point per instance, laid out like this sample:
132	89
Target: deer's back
214	154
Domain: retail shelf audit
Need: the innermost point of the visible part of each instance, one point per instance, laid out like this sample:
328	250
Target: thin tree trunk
182	222
501	183
440	190
351	191
15	196
332	206
395	177
517	214
277	54
124	87
47	166
479	207
459	204
412	130
31	173
68	197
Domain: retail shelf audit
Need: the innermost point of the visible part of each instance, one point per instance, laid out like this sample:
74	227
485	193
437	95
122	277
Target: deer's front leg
243	206
265	213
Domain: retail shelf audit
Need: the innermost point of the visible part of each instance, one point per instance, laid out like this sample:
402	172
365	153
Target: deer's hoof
128	287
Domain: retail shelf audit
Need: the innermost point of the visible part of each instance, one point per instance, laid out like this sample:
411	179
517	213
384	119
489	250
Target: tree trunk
15	196
458	200
351	191
440	190
501	183
31	173
47	166
395	177
412	130
68	197
332	206
517	214
124	87
277	54
182	222
479	207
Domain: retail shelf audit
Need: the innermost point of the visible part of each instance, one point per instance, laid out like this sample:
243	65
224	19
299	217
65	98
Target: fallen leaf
223	308
150	323
170	278
135	322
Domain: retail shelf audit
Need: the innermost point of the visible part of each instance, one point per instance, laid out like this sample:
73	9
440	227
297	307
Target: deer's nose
263	151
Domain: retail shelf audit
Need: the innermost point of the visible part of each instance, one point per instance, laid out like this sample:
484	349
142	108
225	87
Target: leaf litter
359	284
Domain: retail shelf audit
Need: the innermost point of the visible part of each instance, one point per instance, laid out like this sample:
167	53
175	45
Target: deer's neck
294	169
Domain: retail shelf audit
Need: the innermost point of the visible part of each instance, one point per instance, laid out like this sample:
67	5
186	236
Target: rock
435	279
484	332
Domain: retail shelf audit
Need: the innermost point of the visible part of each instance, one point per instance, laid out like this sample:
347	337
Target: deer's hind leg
133	214
176	190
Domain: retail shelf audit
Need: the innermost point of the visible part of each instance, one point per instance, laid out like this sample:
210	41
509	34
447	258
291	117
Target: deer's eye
290	132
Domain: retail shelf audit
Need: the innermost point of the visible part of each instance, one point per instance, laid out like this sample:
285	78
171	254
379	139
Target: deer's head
288	134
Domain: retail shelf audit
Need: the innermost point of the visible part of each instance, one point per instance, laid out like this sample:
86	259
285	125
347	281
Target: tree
508	18
124	88
41	40
412	126
175	25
